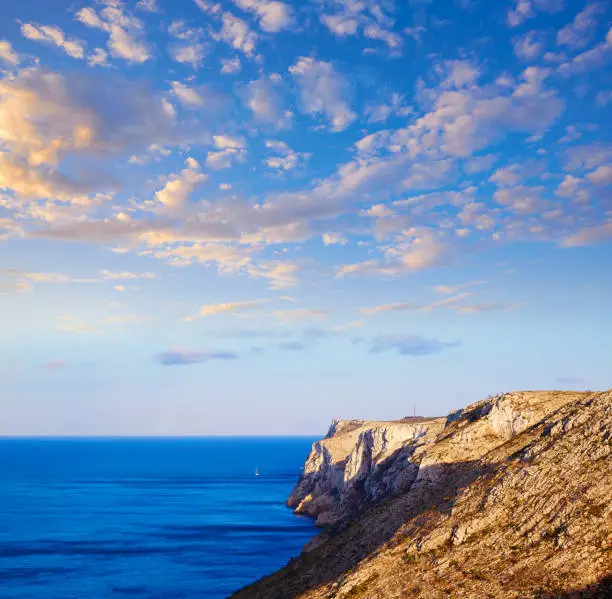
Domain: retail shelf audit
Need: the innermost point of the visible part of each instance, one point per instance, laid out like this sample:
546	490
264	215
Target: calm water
147	518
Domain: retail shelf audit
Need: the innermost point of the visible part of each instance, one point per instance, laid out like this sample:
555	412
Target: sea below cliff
146	518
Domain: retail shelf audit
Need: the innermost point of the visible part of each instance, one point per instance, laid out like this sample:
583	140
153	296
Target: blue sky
253	216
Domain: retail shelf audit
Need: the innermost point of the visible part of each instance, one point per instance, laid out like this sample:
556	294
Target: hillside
510	497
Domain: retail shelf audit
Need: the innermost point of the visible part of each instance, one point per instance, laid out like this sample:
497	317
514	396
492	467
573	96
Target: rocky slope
510	497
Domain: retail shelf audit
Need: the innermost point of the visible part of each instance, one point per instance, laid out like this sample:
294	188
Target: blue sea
146	518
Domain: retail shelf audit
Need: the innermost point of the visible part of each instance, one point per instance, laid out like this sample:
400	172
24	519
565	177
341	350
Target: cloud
323	91
580	31
98	58
589	235
230	66
334	239
230	151
450	289
273	16
148	6
76	114
527	47
189	48
527	9
175	194
419	307
301	314
354	18
8	54
500	307
180	357
192	54
224	308
415	249
237	34
595	58
286	159
263	98
601	176
54	35
125	275
188	96
409	345
125	31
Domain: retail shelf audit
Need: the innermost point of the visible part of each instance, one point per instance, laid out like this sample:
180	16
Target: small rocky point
510	497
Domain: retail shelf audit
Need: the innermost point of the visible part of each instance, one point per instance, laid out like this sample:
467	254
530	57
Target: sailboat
256	471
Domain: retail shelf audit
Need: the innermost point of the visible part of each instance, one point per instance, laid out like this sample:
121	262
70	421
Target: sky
254	216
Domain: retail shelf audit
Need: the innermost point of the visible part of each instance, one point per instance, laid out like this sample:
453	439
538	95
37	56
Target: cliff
510	497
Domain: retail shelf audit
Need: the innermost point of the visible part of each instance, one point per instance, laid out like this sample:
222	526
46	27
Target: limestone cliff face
360	463
508	498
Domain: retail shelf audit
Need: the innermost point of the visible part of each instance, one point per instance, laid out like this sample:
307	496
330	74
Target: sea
159	518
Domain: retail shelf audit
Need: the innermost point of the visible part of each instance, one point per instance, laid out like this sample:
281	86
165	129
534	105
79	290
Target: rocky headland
510	497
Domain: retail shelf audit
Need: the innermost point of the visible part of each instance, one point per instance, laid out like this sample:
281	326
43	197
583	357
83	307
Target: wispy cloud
409	345
180	357
231	308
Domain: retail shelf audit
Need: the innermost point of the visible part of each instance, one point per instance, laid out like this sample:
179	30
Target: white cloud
189	48
174	196
54	35
230	66
334	239
352	18
148	6
580	31
236	33
527	9
589	60
527	47
602	176
589	235
286	159
323	91
230	308
126	32
186	95
191	53
99	57
8	54
264	100
396	106
273	16
69	122
126	275
230	151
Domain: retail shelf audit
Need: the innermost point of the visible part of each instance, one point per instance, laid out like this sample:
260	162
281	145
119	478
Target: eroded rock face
360	463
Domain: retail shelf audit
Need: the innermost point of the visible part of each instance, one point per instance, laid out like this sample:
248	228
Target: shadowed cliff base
598	590
531	517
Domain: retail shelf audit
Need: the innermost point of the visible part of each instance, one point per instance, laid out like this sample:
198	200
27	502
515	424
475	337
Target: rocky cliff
510	497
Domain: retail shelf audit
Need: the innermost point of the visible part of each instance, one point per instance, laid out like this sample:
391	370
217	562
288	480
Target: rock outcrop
357	464
509	498
360	463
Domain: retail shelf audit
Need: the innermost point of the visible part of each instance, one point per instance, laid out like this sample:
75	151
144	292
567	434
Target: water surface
146	518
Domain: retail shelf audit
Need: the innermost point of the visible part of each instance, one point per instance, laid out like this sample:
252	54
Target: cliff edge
510	497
